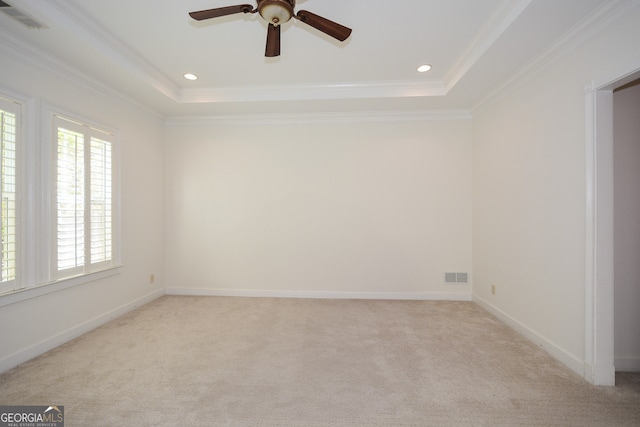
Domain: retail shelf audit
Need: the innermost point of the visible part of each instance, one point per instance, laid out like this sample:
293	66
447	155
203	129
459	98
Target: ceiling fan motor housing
276	12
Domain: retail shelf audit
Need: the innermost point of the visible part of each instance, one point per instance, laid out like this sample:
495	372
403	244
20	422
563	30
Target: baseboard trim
627	364
578	366
419	296
43	346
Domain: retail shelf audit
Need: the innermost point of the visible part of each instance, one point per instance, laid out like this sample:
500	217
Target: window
58	200
84	204
9	116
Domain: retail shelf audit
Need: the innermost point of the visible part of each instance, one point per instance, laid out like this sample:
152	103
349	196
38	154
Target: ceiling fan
277	12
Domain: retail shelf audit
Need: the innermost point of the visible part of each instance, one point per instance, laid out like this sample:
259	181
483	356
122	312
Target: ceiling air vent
20	16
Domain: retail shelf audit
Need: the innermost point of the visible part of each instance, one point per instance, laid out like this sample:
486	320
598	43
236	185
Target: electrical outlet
493	289
152	278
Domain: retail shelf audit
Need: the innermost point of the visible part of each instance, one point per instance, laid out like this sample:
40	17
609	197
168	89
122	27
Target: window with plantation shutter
59	211
84	199
9	116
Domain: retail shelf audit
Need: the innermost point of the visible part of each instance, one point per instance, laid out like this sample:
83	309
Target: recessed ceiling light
424	68
190	76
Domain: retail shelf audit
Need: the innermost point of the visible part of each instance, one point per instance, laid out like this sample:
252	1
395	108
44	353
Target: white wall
347	209
359	210
529	160
35	325
627	228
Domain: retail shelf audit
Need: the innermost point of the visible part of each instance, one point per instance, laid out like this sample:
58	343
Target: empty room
312	212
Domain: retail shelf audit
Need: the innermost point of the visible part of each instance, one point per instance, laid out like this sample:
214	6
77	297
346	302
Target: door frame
599	274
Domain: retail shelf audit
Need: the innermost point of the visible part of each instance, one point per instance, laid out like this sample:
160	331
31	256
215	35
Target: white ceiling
142	48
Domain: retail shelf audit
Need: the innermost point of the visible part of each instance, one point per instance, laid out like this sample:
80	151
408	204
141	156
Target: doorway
626	226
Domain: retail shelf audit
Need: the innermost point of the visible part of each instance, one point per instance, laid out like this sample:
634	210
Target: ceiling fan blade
273	41
325	25
221	11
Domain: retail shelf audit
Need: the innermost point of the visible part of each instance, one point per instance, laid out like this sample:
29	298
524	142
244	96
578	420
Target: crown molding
27	53
389	89
320	118
74	19
501	21
602	18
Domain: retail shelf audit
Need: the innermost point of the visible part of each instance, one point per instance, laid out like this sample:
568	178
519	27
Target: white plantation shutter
9	115
101	200
70	197
84	199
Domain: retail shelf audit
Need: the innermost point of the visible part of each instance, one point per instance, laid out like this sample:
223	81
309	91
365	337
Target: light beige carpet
205	361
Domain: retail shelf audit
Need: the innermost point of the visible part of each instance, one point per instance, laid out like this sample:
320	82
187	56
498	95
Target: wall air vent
449	277
453	278
20	16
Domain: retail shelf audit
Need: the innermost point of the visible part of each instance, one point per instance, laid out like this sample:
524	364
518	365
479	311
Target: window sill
47	288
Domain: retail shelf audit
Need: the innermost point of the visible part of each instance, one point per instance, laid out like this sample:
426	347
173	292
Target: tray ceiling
143	48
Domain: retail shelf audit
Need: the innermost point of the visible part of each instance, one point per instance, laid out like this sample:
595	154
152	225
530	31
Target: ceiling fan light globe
276	11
